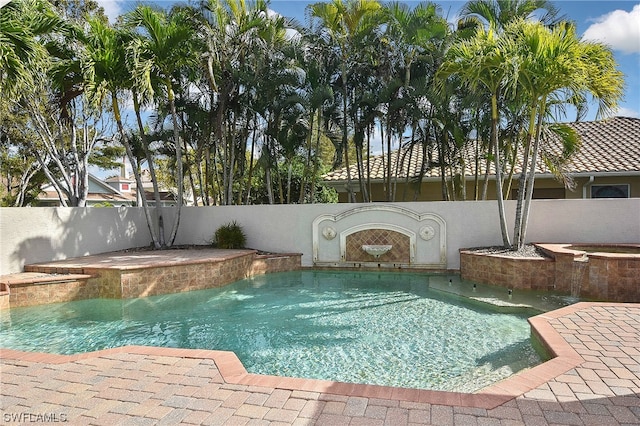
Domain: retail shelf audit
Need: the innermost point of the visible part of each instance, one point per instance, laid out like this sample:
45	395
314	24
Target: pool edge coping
564	358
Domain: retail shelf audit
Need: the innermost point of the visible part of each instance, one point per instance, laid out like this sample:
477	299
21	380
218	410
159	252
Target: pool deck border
233	371
592	377
574	363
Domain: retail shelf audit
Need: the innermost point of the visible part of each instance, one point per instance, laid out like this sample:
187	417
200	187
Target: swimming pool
382	328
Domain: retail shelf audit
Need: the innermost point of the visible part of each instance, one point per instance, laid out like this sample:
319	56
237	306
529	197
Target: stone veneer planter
530	273
600	275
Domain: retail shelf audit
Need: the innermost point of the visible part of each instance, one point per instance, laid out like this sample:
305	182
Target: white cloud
3	2
112	8
619	29
627	112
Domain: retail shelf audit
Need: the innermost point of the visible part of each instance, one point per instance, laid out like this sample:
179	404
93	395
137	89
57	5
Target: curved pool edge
564	358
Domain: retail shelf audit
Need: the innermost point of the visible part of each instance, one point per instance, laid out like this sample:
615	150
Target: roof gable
98	190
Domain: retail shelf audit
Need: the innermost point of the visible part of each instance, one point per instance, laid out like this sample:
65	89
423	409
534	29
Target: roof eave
632	173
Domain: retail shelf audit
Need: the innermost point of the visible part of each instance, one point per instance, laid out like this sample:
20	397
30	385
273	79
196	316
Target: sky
615	23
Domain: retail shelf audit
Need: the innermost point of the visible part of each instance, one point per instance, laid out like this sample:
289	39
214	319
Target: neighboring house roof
53	196
98	191
117	179
610	146
145	177
165	196
104	190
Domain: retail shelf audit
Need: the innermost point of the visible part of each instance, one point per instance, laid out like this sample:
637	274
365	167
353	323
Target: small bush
103	204
230	236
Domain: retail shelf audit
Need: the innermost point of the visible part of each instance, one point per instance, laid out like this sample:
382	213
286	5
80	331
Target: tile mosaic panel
399	253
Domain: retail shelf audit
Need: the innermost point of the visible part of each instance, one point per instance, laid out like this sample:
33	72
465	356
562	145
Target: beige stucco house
607	165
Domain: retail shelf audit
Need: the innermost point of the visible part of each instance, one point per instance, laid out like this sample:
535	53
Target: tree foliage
232	103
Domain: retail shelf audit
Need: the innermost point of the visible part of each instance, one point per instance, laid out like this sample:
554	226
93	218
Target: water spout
376	250
579	268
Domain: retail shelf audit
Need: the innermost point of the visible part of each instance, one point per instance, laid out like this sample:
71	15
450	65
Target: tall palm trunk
498	167
523	184
152	173
315	160
289	175
269	184
251	158
389	171
132	161
232	162
179	172
307	165
531	179
345	131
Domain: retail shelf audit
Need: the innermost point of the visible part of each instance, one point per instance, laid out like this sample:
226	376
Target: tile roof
92	196
607	146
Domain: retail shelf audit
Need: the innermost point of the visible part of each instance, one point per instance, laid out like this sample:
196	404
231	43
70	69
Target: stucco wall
40	234
30	235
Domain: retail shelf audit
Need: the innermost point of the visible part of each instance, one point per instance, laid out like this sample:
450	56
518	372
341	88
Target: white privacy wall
30	235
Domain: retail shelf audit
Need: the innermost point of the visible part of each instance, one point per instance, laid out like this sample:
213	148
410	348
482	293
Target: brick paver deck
594	379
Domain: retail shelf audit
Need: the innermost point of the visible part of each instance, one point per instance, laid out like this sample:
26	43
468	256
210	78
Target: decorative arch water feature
380	236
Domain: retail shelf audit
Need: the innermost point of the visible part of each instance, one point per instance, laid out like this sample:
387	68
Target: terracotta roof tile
607	146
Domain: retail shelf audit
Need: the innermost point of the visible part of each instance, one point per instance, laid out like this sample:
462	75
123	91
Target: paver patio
593	380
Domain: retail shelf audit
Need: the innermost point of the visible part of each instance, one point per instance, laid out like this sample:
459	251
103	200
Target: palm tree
278	99
346	24
498	13
415	40
556	67
234	35
22	55
105	70
166	43
317	93
540	67
482	66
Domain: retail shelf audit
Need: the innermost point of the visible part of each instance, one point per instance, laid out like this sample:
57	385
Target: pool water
390	329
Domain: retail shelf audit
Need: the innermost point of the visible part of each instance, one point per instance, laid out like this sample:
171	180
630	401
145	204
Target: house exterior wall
583	182
546	188
41	234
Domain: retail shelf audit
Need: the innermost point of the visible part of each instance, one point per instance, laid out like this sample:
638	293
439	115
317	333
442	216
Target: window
125	186
610	191
543	194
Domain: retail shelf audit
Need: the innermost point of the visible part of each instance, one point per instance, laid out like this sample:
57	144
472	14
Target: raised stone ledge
594	275
130	275
528	273
32	288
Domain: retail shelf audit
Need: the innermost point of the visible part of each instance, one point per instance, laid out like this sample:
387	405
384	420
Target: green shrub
103	204
230	236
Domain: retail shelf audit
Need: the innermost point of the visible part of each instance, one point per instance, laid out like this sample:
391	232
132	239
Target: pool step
36	288
27	278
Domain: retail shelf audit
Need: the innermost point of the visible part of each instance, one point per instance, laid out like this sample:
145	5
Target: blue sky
615	23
